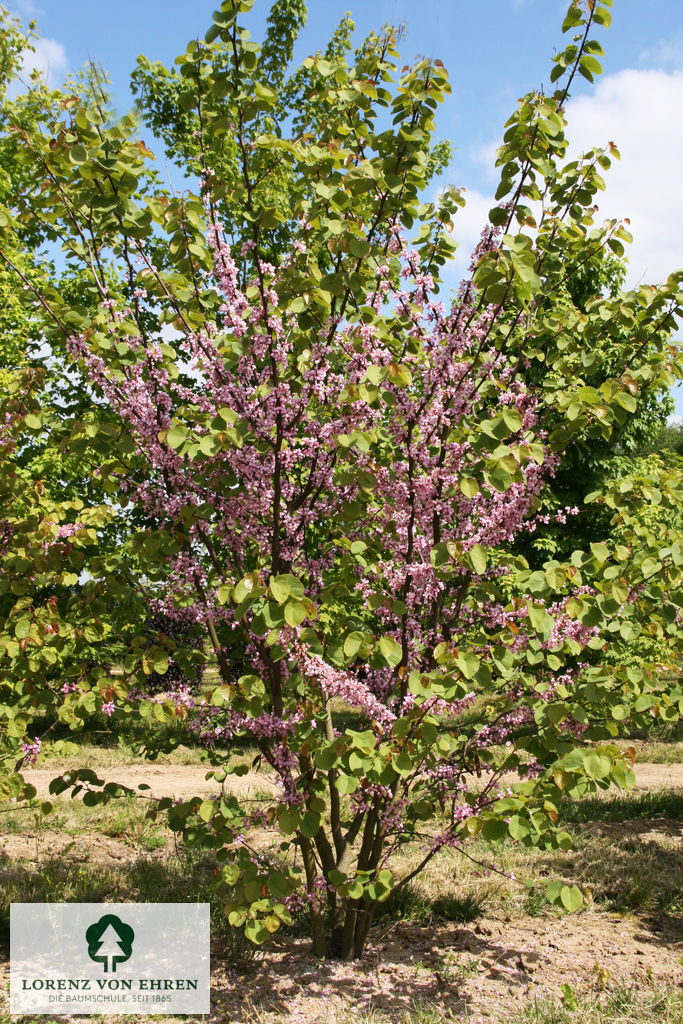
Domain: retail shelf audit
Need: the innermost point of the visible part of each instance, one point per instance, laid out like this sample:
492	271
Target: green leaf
78	154
518	827
265	94
391	651
288	820
279	588
601	16
346	783
246	587
176	436
295	612
649	567
469	486
626	401
572	898
564	840
22	628
556	577
256	931
310	824
439	555
539	617
478	558
553	891
161	663
600	552
352	644
403	764
468	664
573	17
230	874
597	765
494	830
207	809
282	587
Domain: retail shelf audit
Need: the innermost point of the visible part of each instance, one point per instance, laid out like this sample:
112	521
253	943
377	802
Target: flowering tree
329	463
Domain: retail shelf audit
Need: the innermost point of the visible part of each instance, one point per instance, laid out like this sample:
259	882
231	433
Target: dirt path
185	781
181	781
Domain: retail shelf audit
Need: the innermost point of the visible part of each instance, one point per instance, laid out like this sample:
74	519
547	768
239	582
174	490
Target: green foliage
213	95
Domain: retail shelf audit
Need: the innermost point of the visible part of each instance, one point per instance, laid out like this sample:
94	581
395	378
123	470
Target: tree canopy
330	469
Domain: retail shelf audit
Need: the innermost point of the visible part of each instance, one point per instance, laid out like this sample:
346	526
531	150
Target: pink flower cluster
31	751
276	446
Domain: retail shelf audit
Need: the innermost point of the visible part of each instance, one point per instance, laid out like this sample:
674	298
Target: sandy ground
482	972
185	781
489	968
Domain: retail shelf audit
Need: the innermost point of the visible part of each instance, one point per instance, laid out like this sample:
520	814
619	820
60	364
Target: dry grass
638	871
658	751
626	858
118	752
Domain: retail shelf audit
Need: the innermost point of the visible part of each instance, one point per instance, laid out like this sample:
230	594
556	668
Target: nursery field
461	944
341	578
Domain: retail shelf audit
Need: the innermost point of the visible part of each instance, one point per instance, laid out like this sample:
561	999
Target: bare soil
486	970
483	972
489	968
182	782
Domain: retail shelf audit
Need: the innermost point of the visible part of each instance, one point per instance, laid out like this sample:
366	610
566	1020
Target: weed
459	908
411	903
408	903
620	1006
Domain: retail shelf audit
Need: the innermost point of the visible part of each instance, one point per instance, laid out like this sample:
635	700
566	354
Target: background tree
54	452
668	439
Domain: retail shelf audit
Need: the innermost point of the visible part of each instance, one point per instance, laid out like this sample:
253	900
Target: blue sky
495	50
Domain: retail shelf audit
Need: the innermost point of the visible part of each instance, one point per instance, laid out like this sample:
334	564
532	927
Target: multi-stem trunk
342	932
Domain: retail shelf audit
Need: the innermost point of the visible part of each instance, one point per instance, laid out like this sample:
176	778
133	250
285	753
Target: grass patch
660	803
657	732
658	752
621	1006
626	863
185	878
624	872
123	819
412	903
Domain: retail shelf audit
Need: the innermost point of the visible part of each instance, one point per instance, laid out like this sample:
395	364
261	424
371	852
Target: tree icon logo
110	941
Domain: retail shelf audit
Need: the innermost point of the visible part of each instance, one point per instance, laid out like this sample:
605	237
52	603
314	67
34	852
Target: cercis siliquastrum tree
336	458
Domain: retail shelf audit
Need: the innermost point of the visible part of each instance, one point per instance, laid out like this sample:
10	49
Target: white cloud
668	53
640	111
484	156
49	57
26	8
468	224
